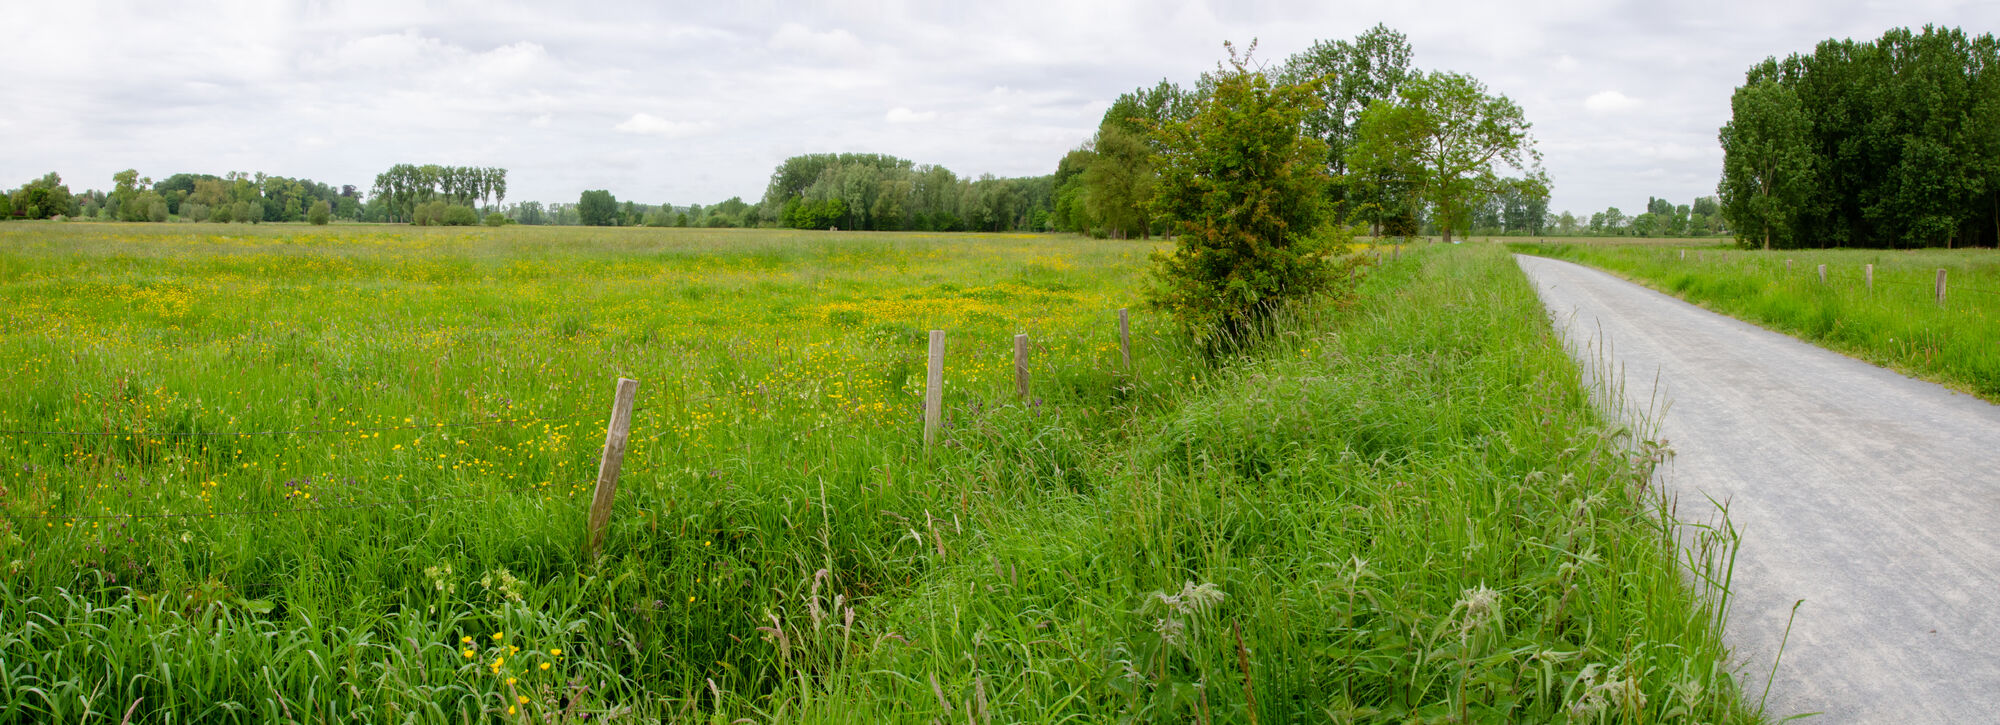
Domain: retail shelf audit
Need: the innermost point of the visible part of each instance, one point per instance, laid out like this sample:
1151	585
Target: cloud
1003	87
833	44
650	125
900	114
1609	102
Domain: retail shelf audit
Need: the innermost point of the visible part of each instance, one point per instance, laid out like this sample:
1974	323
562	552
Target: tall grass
1402	506
1896	324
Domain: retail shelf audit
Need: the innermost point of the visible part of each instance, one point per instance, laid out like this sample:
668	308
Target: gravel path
1873	497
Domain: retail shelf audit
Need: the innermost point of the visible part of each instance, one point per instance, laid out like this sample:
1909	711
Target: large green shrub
1242	186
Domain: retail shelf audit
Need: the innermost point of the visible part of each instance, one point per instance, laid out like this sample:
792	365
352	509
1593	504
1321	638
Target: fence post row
1125	339
1021	366
1940	287
607	468
934	389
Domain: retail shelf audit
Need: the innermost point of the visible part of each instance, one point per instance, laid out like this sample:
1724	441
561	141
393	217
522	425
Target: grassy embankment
1898	324
1405	508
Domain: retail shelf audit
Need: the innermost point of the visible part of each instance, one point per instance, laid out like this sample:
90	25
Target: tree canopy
1889	143
1448	139
597	208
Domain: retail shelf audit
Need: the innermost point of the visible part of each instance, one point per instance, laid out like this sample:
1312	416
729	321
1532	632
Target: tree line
405	189
1891	143
233	197
884	193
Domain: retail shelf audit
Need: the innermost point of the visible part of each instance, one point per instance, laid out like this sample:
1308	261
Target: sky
674	102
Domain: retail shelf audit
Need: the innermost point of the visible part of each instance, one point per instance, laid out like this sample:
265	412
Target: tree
1357	73
1446	135
1888	143
1767	165
1243	187
42	198
320	214
597	208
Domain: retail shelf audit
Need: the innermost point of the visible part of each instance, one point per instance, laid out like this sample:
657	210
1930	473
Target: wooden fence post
607	467
1684	255
1788	265
1870	272
1021	366
1940	287
1822	274
934	389
1125	338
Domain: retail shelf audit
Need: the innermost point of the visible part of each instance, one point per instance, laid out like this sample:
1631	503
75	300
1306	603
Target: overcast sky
697	102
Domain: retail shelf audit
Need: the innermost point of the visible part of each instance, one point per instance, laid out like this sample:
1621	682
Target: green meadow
341	474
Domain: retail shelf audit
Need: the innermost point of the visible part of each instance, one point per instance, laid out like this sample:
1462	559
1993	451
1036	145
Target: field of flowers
412	410
294	474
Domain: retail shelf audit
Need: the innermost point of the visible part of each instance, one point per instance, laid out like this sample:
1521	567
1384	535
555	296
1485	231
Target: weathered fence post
1940	287
1125	339
1684	255
607	467
1788	265
1822	274
934	389
1870	272
1021	366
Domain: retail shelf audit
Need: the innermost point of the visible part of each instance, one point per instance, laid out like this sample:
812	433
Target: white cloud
542	121
836	44
1609	102
900	114
651	125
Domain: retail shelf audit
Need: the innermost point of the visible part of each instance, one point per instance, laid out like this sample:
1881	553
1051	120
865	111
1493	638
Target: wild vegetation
1897	323
1400	506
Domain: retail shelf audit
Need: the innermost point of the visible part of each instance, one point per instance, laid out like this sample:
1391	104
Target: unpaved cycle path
1873	497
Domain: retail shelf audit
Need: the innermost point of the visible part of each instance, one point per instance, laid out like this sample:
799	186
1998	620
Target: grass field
1403	506
1897	324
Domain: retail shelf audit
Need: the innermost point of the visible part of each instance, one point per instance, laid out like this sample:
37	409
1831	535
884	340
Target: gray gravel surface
1873	497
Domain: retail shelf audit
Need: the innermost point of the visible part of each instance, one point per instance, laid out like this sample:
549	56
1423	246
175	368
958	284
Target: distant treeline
404	188
877	192
233	197
1890	143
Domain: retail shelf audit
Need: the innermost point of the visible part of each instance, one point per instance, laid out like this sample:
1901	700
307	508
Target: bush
459	216
1243	186
495	219
429	213
320	213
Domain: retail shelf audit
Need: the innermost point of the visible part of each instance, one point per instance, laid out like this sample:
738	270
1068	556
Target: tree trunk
1447	235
